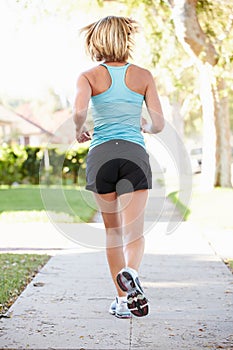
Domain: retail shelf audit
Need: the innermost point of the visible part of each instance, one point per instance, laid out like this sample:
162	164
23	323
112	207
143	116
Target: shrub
23	164
12	159
31	166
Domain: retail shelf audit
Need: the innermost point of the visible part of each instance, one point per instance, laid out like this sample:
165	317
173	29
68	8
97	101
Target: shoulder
92	71
143	72
84	80
92	75
84	77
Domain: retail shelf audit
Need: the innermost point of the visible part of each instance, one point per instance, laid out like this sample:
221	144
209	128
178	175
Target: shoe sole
136	300
114	313
122	316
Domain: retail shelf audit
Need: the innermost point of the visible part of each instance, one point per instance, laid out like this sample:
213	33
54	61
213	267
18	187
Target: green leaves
11	162
23	164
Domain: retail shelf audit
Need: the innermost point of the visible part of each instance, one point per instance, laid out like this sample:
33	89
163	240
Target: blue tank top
117	111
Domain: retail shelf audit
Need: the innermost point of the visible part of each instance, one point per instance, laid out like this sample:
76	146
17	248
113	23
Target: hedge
26	164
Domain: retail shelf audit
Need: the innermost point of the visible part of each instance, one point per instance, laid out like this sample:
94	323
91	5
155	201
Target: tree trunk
216	132
209	131
223	146
190	33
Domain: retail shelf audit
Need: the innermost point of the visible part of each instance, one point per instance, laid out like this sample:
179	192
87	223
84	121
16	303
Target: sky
39	52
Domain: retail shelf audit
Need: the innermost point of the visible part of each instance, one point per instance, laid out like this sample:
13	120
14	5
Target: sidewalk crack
130	333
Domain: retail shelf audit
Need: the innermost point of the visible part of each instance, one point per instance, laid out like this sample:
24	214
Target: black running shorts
118	166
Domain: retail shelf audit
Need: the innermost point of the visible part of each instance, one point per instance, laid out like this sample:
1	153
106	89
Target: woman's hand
145	126
84	136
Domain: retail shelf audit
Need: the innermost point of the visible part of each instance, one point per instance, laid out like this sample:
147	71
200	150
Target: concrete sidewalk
66	306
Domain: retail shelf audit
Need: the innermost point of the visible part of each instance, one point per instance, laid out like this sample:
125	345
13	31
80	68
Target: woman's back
117	98
136	78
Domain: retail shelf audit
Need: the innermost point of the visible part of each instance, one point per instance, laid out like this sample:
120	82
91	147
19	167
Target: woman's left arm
82	98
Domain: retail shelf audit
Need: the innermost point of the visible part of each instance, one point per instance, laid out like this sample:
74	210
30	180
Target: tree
204	29
199	44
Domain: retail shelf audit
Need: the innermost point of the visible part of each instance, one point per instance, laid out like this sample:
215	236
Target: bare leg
108	204
132	213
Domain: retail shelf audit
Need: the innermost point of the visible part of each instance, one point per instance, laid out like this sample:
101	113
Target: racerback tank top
117	111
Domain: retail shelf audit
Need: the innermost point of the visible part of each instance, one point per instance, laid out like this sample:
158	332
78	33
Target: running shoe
128	281
119	309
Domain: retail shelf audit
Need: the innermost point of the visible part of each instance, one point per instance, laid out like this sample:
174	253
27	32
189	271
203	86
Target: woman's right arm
82	98
154	107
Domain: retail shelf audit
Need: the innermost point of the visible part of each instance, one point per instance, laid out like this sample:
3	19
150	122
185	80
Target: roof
58	127
7	116
21	123
59	124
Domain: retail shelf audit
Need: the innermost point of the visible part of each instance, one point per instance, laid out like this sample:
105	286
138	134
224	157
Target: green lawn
212	208
24	203
16	271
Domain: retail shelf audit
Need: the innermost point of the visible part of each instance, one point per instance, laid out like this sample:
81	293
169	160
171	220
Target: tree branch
190	33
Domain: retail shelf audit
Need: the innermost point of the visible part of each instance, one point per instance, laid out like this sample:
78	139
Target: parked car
196	159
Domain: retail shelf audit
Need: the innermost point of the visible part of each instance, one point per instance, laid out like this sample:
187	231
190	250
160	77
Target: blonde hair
110	39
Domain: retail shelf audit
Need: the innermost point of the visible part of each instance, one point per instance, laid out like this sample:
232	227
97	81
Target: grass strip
229	264
212	208
184	211
16	271
72	204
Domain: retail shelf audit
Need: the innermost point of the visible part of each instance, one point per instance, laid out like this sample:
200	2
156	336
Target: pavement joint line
183	254
130	333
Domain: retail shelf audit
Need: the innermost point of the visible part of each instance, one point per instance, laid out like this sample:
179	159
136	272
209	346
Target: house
15	128
59	124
